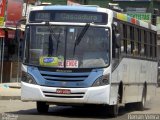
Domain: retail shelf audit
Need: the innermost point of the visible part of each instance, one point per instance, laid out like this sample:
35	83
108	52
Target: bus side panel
113	94
133	80
115	81
148	75
133	73
127	78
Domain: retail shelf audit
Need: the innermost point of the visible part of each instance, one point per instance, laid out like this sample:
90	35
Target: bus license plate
63	91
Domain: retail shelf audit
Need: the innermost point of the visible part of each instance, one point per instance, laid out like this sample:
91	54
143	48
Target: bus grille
71	95
64	77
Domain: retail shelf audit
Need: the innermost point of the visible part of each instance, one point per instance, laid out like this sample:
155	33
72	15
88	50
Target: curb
10	91
16	87
10	98
11	85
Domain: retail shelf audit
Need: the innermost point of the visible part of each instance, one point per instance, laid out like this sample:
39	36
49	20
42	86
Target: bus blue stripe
78	8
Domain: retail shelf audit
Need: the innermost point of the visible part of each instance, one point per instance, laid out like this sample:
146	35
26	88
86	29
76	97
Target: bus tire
42	107
113	111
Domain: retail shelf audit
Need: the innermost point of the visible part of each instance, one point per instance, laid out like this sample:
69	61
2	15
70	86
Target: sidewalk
10	91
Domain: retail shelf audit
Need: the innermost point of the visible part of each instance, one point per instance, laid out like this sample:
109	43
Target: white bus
78	55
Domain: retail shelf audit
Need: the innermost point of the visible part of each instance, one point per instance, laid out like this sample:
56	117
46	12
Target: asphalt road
17	110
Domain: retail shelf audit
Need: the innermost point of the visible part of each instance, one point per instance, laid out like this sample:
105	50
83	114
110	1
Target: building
9	48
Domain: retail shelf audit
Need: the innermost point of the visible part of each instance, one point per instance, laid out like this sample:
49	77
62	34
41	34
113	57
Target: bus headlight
27	78
103	80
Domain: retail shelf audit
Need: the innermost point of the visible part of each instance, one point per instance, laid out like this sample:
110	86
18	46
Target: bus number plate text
63	91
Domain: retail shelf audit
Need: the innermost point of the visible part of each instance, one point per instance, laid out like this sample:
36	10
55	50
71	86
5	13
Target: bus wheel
42	107
109	110
113	111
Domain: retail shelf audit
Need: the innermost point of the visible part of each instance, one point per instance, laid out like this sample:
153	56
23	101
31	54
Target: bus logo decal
48	60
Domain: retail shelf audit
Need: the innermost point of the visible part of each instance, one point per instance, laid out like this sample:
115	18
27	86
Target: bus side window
142	43
116	43
124	39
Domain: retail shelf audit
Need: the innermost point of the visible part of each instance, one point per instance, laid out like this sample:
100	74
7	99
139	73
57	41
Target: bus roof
117	15
63	7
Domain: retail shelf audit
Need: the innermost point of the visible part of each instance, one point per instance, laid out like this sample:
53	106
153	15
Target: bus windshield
56	46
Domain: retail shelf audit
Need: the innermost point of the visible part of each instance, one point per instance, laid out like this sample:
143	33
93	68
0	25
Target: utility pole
26	8
151	6
85	2
155	14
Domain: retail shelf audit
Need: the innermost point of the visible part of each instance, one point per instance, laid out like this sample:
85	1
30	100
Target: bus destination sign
68	16
78	17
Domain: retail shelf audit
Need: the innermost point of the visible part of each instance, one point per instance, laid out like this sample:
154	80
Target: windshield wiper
80	36
50	43
50	46
58	41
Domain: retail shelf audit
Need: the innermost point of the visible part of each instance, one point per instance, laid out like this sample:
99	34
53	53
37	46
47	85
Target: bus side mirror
117	40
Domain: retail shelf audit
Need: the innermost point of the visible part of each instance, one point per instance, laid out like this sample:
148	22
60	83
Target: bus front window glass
92	50
54	47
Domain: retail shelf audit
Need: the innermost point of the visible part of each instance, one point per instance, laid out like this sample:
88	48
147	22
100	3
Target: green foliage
101	3
56	2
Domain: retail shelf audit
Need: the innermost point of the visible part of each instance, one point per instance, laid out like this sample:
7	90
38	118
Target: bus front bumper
91	95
